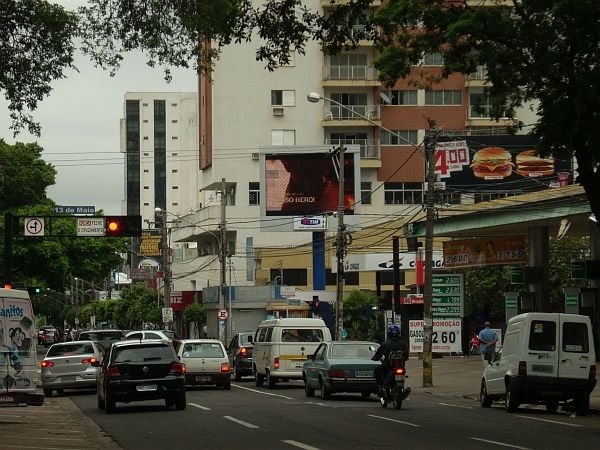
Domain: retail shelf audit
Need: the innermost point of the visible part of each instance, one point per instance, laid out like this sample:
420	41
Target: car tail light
399	371
337	374
225	368
177	368
522	368
592	375
113	372
276	363
47	364
89	360
243	351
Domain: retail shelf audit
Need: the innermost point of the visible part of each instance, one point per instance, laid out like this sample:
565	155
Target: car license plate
363	373
299	364
399	377
203	378
541	368
68	379
145	387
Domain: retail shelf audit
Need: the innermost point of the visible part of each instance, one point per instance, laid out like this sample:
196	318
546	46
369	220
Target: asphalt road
258	418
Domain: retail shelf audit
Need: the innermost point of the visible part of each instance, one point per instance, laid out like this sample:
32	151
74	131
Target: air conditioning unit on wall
255	156
278	111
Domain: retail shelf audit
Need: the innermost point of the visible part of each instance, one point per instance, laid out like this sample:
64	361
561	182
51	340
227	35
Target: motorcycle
474	348
393	390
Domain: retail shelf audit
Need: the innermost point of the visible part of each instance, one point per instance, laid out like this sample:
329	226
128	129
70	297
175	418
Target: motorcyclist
393	344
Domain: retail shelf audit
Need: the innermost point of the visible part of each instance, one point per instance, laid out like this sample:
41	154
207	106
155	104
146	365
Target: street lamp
314	97
166	259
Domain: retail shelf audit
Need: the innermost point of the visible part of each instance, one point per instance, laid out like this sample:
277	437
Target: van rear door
576	352
542	354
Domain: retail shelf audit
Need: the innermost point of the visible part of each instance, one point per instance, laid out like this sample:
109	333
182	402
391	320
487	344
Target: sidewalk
458	376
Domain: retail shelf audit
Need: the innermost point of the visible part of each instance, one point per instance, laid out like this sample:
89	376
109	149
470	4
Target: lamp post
166	259
314	97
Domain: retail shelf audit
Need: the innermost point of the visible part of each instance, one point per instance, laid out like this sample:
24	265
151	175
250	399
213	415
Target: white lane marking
551	421
261	392
241	422
394	420
316	403
204	408
455	406
502	444
300	445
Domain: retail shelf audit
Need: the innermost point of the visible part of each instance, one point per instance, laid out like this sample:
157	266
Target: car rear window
542	336
144	353
246	338
203	350
70	350
302	335
575	337
353	350
101	336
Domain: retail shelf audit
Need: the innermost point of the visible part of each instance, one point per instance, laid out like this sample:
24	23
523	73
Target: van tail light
89	360
177	368
113	372
592	375
276	363
399	371
225	368
48	364
337	374
243	351
522	369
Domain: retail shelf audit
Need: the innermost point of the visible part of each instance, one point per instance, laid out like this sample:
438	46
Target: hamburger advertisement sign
498	162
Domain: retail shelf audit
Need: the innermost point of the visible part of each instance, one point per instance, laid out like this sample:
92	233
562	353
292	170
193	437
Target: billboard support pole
341	247
223	257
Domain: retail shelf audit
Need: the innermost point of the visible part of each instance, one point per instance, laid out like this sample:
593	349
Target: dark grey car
104	337
239	353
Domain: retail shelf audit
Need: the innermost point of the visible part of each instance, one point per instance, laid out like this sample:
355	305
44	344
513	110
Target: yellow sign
482	252
150	244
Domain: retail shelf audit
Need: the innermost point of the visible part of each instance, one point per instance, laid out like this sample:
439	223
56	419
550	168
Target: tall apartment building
244	108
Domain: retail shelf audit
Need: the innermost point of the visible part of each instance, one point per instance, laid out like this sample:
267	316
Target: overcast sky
80	128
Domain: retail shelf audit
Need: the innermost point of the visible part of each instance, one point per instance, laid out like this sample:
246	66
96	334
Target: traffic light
122	226
36	290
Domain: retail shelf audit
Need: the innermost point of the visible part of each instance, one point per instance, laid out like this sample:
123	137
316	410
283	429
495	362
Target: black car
239	352
138	371
104	337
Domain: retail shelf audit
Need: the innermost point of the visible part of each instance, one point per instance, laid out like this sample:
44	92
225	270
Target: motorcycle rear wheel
397	395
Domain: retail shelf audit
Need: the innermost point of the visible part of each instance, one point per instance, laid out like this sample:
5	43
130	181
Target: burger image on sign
492	163
531	165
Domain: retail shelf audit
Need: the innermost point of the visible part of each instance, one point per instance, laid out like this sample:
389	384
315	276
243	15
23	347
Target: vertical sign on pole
571	300
511	300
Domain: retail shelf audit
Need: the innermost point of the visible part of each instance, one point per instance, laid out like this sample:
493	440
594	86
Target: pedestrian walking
487	346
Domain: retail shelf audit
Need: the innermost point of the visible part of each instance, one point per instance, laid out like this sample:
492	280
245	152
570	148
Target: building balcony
352	115
370	150
349	76
477	78
330	3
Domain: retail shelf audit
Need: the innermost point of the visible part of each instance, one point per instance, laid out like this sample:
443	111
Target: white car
143	335
206	362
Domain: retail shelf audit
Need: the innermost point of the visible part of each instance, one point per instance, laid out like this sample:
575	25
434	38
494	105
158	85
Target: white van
282	346
545	358
18	356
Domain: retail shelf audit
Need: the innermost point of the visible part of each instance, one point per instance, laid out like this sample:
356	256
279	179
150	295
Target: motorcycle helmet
393	330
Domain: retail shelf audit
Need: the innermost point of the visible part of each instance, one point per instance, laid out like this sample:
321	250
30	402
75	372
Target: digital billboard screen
307	184
502	162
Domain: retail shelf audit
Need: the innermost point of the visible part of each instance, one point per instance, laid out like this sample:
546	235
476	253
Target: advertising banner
481	252
501	162
307	184
446	336
180	299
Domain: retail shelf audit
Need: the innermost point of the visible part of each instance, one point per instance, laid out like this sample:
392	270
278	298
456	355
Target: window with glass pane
433	59
575	337
355	105
365	192
400	137
443	97
403	193
253	193
408	97
283	98
542	336
283	137
479	106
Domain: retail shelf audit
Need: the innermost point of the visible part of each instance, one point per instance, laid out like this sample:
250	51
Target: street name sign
59	209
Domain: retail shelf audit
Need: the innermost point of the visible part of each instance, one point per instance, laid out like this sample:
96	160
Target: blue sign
58	209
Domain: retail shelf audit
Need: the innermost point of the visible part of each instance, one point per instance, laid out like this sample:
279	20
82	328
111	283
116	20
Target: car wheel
169	401
511	399
259	379
99	402
109	403
325	391
365	395
271	381
227	386
308	390
484	399
60	391
235	374
180	401
552	406
48	392
582	404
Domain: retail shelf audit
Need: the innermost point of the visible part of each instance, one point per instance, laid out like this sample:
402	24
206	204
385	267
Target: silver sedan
68	365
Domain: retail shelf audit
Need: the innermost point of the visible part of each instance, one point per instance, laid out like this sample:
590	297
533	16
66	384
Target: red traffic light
122	226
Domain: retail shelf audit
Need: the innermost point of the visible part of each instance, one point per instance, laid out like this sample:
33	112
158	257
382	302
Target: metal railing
369	148
348	72
353	112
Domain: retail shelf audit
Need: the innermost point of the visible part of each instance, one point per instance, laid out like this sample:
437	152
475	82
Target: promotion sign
482	252
446	337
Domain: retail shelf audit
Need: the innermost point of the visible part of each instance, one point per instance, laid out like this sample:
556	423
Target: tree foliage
196	314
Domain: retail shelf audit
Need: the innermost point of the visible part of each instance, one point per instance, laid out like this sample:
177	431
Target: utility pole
340	248
230	316
166	261
430	142
223	257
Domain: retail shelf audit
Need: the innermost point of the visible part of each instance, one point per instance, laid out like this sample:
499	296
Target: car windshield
70	350
365	350
169	333
143	354
203	350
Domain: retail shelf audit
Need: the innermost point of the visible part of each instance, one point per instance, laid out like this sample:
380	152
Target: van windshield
302	335
575	337
542	336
